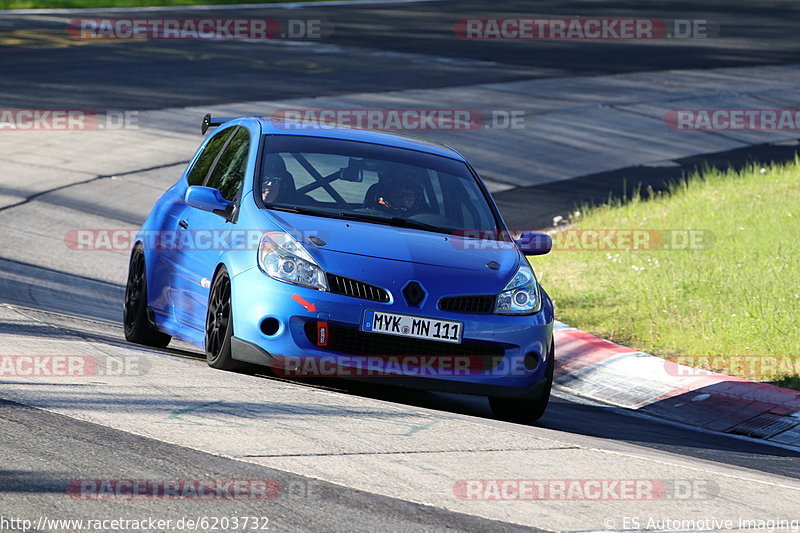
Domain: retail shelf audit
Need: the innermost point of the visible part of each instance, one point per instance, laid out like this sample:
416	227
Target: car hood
399	244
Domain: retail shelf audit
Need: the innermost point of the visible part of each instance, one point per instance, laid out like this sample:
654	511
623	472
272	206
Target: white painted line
281	5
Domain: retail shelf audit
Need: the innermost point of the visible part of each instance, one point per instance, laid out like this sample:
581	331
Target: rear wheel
138	328
523	410
219	324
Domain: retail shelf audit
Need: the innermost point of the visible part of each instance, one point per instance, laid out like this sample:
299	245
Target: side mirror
533	243
209	199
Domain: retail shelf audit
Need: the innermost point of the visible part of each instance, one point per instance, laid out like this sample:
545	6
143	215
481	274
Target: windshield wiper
300	210
408	223
394	221
388	221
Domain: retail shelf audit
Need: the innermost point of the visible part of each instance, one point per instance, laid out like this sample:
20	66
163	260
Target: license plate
412	326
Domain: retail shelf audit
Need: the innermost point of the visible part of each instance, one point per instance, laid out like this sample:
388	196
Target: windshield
373	183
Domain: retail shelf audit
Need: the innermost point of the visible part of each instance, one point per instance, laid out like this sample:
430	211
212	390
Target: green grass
62	4
740	296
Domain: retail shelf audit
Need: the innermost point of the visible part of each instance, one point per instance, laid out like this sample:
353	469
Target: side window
228	175
203	164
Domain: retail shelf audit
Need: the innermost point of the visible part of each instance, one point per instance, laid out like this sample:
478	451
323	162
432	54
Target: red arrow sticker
299	299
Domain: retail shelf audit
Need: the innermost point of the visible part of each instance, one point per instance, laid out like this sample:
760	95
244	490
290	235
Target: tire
523	410
219	324
138	328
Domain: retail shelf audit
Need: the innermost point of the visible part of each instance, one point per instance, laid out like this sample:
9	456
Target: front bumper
502	341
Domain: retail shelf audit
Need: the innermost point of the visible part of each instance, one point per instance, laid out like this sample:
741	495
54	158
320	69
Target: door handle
183	224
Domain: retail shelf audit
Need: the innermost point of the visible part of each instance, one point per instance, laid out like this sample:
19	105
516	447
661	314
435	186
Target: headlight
521	295
285	259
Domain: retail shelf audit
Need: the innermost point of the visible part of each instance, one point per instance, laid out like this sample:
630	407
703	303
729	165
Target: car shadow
575	416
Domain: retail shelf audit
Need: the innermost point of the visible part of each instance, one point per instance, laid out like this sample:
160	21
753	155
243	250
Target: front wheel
219	324
138	328
523	410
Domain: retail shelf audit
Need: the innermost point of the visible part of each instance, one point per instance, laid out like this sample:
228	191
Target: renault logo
413	293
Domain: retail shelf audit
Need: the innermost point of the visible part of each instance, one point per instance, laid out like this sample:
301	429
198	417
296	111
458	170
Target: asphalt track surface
373	48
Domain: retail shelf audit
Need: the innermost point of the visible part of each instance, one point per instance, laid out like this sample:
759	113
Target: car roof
273	126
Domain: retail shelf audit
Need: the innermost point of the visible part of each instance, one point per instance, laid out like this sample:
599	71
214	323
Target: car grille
481	305
351	341
356	289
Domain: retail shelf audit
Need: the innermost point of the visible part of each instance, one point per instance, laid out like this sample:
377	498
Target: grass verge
735	294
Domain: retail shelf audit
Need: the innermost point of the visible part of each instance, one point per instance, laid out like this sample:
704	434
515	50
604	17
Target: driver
275	178
270	188
398	193
398	198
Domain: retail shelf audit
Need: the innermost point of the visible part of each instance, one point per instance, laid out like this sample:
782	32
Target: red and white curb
598	369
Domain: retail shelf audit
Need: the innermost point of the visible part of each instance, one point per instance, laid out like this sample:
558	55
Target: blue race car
331	251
